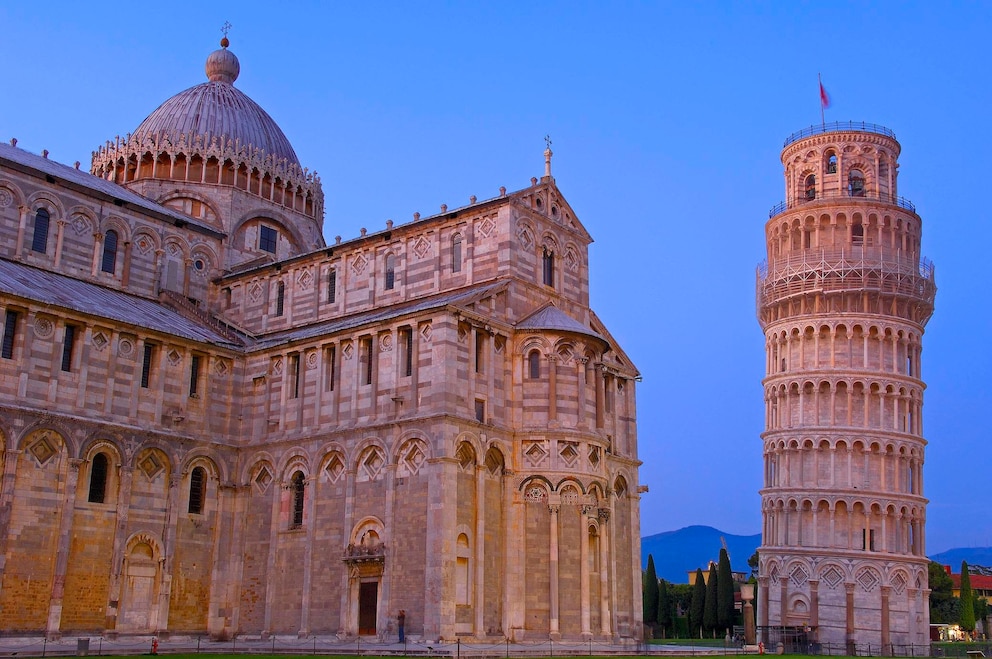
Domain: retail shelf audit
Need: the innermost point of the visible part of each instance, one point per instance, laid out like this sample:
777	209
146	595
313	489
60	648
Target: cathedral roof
550	317
216	109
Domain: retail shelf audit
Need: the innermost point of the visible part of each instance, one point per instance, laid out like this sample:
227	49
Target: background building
843	299
212	421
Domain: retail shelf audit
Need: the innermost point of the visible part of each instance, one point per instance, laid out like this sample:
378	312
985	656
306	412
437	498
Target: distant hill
677	552
953	557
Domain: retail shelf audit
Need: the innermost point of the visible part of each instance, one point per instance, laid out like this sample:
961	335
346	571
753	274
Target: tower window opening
194	376
807	239
548	267
280	298
858	235
534	365
267	239
9	331
406	348
366	360
294	375
146	365
810	187
109	261
332	286
39	241
456	253
832	164
197	490
856	183
390	272
68	342
298	490
98	479
331	368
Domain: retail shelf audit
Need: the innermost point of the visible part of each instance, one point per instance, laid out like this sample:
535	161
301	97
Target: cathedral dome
216	109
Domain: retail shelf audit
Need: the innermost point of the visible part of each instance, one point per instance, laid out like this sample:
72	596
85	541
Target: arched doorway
140	588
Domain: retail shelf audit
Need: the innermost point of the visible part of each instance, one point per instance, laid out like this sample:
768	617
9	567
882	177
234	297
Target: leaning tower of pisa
843	299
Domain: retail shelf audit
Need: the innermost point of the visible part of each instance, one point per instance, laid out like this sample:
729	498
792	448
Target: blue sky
667	121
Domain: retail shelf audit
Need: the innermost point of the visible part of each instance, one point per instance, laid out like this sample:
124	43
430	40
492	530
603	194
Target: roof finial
547	156
225	28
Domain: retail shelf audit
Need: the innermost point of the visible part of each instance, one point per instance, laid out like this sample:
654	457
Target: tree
649	595
943	604
724	592
710	618
967	620
665	608
698	605
753	563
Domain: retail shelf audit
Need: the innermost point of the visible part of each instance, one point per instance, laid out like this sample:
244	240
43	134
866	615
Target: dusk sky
667	121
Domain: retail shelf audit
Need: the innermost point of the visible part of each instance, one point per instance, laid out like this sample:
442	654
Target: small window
39	243
390	272
109	252
68	343
456	253
480	410
294	375
280	298
146	365
831	164
332	368
856	183
548	267
406	346
9	332
480	351
197	490
298	489
98	478
332	286
534	365
810	187
194	376
366	360
858	235
807	239
267	239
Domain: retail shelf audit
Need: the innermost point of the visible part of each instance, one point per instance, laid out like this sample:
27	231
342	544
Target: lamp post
747	594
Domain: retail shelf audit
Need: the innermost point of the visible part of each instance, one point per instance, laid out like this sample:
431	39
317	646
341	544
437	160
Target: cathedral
843	299
213	422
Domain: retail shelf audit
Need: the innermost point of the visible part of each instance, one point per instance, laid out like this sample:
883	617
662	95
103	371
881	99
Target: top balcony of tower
839	127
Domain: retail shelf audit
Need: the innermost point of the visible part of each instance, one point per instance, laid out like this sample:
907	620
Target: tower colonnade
843	298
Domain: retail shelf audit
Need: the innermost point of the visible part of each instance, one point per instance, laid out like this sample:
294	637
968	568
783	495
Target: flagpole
823	123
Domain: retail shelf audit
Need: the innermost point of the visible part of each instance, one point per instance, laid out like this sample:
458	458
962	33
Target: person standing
401	624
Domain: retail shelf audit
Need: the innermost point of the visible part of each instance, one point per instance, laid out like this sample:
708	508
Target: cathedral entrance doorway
368	599
140	580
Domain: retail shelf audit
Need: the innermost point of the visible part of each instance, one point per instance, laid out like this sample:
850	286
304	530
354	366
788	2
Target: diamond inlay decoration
569	453
80	225
254	292
535	454
832	577
774	573
144	244
425	332
571	260
348	351
421	247
899	583
499	343
151	466
173	356
263	478
100	340
525	237
486	227
594	456
799	575
174	249
277	366
358	263
373	463
414	459
305	279
42	450
334	468
868	579
220	367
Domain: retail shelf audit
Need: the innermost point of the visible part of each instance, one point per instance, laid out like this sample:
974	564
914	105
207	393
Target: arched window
831	164
858	235
548	267
534	365
197	490
456	253
390	272
856	183
280	298
39	243
98	478
811	187
298	489
109	252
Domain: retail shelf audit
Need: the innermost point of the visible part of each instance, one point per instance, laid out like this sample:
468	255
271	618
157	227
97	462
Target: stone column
480	548
814	607
584	571
59	239
120	543
552	389
762	606
62	552
553	569
606	628
886	647
849	588
168	548
21	228
600	396
580	363
310	520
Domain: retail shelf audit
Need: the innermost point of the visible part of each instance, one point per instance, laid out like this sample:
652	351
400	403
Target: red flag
824	99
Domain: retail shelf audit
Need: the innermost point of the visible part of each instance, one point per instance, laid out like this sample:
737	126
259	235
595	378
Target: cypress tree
664	608
649	595
967	621
698	605
710	619
725	592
